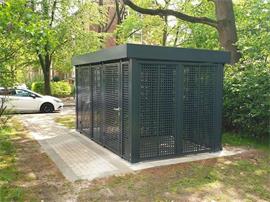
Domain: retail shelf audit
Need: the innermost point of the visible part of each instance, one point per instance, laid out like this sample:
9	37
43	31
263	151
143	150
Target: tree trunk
47	84
47	75
226	28
45	63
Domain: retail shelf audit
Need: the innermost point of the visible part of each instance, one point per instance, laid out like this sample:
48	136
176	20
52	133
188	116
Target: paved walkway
78	157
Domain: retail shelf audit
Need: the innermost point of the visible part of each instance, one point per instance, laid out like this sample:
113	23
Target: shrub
59	89
38	87
247	98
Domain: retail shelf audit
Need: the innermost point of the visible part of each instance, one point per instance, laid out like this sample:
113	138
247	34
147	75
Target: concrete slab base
78	157
185	159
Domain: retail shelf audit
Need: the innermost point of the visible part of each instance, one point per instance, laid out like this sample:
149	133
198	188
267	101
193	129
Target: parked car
24	100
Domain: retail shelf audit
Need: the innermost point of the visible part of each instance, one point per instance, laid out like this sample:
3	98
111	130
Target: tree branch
117	9
168	12
53	12
133	32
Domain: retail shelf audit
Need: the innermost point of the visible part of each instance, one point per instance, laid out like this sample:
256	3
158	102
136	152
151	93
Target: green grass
8	170
224	179
67	121
233	139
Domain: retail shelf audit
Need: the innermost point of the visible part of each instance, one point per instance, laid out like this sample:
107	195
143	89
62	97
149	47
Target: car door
8	99
25	101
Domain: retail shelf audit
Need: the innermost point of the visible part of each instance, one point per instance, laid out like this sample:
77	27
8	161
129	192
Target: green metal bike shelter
151	102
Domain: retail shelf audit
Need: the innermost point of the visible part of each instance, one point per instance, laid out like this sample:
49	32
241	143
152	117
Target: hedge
59	88
247	98
38	87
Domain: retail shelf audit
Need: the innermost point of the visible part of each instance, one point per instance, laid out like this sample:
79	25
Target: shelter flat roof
152	53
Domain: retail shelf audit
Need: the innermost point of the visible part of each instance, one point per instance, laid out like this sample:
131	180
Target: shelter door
97	103
112	107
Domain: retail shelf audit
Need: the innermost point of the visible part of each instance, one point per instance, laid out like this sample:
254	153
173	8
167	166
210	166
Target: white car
24	100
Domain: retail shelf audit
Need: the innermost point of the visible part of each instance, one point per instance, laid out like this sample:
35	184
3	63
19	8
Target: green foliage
75	36
146	29
243	140
252	18
59	89
193	35
137	28
38	87
247	98
36	78
31	31
13	54
247	84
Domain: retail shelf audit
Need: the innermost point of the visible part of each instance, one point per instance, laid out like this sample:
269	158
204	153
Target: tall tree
56	26
224	22
13	53
45	33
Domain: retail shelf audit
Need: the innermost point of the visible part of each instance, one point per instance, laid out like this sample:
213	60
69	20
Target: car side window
22	93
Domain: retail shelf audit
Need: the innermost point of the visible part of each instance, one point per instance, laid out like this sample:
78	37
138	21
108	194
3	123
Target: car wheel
47	108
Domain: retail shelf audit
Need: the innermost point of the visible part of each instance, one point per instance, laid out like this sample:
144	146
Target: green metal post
134	108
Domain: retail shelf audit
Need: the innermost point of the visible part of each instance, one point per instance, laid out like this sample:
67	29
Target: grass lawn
244	177
8	169
68	121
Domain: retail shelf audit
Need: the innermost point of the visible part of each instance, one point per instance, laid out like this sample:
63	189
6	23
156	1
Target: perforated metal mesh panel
199	106
125	115
111	133
97	103
84	100
157	110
